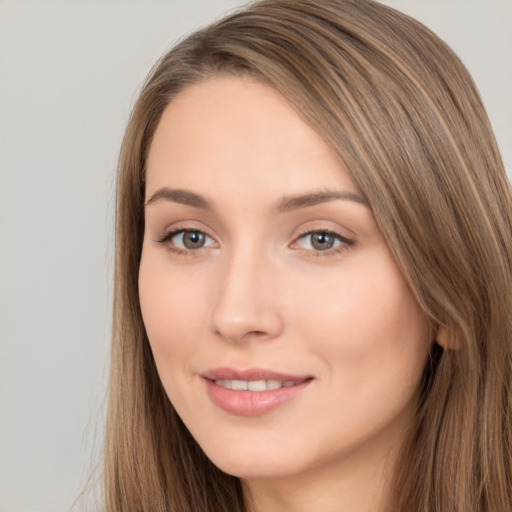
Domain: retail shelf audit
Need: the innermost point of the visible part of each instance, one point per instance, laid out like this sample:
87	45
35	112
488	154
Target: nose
247	302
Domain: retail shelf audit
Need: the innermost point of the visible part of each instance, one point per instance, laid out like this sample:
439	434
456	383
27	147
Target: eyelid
345	242
175	230
168	235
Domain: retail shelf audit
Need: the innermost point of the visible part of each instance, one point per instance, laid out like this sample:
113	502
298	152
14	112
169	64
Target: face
282	330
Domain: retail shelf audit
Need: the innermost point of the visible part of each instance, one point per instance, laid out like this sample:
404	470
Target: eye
321	241
187	240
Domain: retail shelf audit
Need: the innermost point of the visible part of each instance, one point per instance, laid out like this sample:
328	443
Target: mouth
252	392
257	385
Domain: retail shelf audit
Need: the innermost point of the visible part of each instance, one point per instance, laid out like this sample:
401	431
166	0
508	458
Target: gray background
69	72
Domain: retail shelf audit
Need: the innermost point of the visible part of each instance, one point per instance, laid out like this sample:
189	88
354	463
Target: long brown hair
404	116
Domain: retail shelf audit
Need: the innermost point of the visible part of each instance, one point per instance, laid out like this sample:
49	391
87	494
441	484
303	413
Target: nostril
256	334
249	335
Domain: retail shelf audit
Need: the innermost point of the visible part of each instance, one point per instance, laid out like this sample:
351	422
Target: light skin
260	252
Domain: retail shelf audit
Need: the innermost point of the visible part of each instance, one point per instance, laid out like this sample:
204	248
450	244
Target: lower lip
252	403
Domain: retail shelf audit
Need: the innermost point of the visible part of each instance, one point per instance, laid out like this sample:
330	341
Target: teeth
257	385
239	385
224	383
254	385
273	384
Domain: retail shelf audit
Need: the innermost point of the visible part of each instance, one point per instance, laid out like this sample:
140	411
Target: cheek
170	309
373	341
366	320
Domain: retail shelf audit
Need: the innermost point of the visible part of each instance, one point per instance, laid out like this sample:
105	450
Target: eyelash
345	243
166	240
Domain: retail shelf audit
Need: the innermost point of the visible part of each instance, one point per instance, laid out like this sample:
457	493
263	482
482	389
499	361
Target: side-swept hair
404	116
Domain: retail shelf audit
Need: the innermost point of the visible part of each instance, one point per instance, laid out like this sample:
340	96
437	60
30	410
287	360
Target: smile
253	392
255	385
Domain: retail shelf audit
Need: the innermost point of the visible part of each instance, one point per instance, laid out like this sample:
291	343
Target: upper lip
250	374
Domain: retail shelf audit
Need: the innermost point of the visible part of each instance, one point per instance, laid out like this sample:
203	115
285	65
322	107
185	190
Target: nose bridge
246	304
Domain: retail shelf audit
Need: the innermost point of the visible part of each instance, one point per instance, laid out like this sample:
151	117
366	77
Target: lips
252	392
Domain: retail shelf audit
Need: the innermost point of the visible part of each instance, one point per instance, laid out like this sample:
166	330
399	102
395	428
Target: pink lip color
251	403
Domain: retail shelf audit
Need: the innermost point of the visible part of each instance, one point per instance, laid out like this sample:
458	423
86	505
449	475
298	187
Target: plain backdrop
69	73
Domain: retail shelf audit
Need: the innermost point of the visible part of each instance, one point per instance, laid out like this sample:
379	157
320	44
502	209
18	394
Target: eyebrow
286	204
180	196
305	200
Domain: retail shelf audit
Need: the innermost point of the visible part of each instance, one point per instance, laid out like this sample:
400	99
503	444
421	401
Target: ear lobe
446	340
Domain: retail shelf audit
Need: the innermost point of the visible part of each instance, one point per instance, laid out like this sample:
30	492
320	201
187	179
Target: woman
313	274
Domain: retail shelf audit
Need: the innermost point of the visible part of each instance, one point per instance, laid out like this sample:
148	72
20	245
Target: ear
446	339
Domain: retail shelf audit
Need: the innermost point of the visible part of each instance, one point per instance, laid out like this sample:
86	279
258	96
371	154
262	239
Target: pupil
322	241
193	240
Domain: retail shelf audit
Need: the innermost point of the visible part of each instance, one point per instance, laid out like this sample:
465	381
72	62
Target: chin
251	470
253	462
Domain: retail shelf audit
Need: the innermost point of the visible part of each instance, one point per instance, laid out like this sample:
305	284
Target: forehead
233	134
